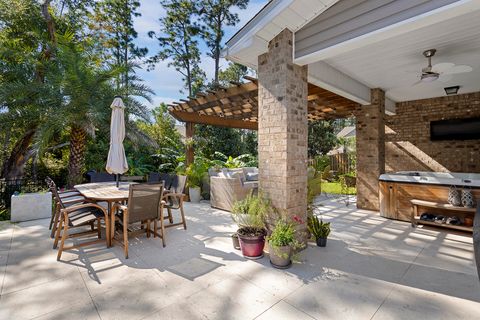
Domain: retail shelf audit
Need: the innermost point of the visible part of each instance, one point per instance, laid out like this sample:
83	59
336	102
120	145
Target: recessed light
451	90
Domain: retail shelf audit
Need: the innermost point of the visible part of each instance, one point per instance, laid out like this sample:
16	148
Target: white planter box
31	206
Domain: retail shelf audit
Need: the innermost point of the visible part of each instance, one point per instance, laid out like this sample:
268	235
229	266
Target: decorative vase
467	198
252	246
194	194
454	197
322	242
281	257
235	241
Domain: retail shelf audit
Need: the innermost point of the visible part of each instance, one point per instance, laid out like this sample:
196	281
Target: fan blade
445	77
459	69
442	67
417	83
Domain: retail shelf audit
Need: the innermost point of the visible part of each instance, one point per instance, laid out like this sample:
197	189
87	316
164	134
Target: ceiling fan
440	71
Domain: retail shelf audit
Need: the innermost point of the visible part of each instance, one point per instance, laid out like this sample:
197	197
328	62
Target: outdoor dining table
106	192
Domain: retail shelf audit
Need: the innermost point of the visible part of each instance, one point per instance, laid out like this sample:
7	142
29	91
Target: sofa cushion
251	176
250	184
234	173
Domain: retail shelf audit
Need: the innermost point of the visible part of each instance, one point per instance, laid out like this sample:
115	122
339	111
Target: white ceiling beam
390	107
325	76
331	79
410	25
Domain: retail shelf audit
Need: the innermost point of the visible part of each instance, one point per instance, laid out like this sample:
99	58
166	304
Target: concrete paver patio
372	268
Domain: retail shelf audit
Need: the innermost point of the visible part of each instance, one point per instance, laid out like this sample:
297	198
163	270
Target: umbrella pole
118	179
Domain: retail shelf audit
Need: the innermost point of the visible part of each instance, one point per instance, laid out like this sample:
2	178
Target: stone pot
235	241
194	194
252	246
281	257
322	242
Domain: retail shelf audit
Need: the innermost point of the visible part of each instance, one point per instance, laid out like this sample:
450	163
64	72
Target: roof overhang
252	40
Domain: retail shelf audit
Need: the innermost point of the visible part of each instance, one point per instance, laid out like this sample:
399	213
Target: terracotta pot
468	222
281	257
252	247
235	241
322	242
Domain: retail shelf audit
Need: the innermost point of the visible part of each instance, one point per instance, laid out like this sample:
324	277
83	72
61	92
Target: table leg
112	224
109	227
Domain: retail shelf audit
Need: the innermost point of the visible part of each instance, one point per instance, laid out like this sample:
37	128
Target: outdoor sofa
230	185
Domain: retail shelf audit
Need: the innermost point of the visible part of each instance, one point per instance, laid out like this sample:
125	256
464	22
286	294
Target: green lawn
318	185
336	188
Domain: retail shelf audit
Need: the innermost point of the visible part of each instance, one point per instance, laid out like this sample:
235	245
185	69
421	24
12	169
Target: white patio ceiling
390	59
395	64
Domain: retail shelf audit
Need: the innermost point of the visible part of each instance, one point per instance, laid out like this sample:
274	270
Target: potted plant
281	244
248	214
195	173
319	229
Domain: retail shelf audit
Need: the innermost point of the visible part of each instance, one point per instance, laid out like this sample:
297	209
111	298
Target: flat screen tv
455	129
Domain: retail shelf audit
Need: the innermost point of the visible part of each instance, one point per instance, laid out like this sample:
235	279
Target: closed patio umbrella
117	161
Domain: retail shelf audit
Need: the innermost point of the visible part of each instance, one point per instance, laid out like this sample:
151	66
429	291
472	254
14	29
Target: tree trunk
76	160
14	167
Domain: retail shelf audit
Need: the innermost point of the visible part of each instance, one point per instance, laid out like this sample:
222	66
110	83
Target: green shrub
283	234
251	211
321	162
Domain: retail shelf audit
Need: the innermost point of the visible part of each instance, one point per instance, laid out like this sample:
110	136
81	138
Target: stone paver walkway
372	268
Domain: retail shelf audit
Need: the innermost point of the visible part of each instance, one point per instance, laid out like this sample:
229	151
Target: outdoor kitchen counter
436	178
397	189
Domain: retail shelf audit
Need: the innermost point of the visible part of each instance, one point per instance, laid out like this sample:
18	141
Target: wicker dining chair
81	215
68	198
144	206
174	198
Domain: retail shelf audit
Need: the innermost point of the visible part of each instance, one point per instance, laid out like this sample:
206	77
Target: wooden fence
341	163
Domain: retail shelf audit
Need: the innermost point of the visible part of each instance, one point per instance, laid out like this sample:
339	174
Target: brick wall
370	150
282	127
407	136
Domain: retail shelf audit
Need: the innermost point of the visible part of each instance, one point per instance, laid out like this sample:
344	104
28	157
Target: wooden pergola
237	107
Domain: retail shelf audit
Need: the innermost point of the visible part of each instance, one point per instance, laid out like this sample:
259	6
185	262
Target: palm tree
84	88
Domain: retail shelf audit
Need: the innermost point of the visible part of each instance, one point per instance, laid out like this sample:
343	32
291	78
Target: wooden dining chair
144	206
81	215
160	177
68	198
174	198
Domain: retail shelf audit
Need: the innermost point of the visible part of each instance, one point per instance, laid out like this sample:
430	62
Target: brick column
283	127
370	133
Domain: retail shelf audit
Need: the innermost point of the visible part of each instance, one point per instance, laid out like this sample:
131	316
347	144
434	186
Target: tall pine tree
215	15
178	41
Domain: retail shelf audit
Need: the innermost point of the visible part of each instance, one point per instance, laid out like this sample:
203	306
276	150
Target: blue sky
165	81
